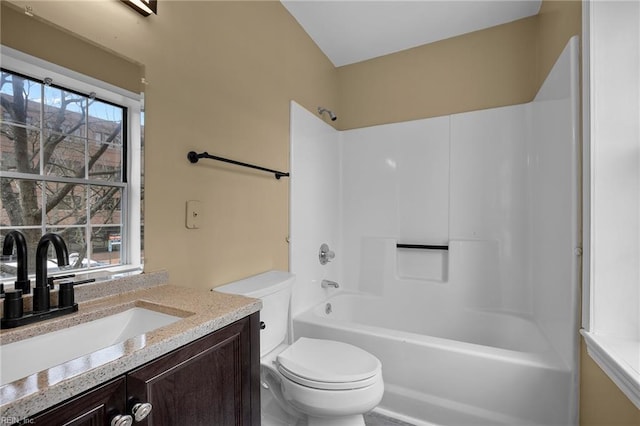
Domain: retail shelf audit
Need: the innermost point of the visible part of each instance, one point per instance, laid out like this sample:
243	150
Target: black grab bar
194	157
423	246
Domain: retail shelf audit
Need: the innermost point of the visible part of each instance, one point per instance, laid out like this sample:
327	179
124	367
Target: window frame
610	304
133	103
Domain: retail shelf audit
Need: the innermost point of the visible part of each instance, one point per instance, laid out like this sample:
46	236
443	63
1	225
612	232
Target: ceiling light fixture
143	7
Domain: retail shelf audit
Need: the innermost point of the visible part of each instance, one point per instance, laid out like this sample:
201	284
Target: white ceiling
350	31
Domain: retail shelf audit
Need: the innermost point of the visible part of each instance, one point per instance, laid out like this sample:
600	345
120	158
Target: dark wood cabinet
93	408
207	382
211	381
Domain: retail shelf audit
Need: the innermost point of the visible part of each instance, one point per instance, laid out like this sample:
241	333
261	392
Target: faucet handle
13	307
325	255
50	280
66	296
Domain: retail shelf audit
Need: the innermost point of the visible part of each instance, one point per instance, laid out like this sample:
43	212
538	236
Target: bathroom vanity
201	369
207	381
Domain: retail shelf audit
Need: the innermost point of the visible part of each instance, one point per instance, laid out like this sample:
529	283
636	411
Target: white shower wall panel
395	183
554	190
315	206
489	200
459	179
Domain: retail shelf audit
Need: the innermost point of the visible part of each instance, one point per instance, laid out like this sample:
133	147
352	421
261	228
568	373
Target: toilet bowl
330	383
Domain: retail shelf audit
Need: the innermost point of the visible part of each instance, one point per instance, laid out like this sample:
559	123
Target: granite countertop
202	312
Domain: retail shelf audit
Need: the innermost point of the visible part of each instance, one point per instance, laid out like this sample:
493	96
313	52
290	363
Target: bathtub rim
548	359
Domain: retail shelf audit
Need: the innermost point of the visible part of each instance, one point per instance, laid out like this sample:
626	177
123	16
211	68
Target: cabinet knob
122	420
141	410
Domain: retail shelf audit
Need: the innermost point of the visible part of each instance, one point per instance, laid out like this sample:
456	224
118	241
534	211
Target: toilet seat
328	365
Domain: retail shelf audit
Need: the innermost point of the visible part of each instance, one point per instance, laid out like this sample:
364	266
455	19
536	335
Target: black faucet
41	290
15	238
14	314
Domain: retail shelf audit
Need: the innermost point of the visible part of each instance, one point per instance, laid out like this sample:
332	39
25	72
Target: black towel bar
423	246
194	157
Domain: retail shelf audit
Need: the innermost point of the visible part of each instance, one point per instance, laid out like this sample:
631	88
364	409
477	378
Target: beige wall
32	35
601	401
557	22
484	69
221	75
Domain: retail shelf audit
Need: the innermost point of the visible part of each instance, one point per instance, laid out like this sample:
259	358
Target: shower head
332	116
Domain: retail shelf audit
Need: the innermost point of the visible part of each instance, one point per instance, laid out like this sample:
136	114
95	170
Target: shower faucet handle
325	255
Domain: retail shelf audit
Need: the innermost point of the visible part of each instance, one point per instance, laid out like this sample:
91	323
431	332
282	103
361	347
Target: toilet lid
326	364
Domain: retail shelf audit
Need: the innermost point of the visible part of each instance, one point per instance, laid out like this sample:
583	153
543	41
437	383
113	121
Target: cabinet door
93	408
211	381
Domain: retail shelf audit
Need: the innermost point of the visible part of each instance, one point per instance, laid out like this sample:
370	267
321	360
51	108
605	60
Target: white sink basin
25	357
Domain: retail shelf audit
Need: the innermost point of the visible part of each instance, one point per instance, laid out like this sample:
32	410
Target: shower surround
484	332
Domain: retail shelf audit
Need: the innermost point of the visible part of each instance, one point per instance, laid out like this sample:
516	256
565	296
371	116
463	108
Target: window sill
620	360
99	275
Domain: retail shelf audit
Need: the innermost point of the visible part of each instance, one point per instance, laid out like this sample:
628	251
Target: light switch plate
194	214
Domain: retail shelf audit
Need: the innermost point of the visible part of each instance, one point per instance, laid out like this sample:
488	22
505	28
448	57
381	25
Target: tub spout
327	284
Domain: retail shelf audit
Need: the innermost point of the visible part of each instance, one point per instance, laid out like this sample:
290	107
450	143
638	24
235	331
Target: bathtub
450	366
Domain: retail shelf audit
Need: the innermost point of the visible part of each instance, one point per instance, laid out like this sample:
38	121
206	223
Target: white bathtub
450	366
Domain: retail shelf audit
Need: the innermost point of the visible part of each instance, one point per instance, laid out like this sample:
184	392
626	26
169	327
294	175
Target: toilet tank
274	289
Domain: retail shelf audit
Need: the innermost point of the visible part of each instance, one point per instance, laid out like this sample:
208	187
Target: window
611	294
70	164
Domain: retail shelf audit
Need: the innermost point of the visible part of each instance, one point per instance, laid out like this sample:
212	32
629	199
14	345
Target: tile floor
375	419
371	419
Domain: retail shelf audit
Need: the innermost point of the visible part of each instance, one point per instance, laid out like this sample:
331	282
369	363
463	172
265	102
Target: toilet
328	383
